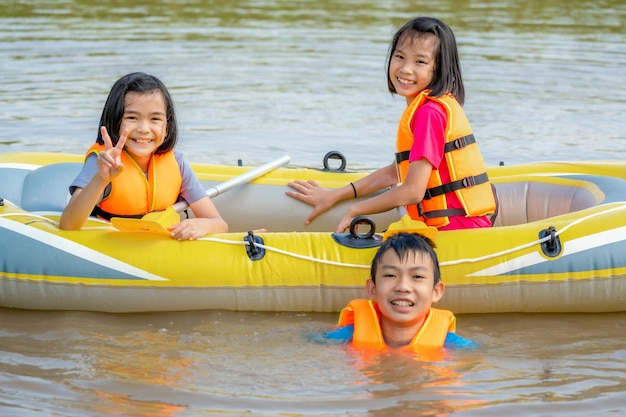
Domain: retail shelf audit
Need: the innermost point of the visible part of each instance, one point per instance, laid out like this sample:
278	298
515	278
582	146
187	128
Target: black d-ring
334	155
359	240
362	220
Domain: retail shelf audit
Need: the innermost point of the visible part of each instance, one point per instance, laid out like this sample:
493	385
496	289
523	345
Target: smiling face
404	291
146	121
412	64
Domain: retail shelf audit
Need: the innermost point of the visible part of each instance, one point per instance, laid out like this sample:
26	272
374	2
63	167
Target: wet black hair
403	244
447	77
113	110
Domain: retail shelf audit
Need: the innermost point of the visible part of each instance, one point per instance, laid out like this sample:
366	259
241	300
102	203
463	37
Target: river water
256	79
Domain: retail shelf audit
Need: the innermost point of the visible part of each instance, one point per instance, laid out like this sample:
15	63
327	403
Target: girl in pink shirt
423	60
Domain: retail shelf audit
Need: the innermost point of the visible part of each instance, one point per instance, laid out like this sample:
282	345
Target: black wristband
353	189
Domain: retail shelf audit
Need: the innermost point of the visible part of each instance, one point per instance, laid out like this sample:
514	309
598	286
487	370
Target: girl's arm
410	192
81	204
84	200
323	199
207	220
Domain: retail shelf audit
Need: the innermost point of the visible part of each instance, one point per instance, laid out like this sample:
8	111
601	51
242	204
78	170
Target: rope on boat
324	261
29	214
284	252
455	262
538	241
105	225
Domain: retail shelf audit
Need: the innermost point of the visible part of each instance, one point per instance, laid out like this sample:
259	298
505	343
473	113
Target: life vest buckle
460	143
468	182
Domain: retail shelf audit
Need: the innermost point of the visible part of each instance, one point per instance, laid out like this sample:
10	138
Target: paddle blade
155	222
408	225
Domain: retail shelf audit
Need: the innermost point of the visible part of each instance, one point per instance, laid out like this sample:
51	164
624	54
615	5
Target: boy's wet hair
447	77
113	111
404	244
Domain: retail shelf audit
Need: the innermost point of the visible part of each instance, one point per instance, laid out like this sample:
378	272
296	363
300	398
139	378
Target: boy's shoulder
454	341
344	334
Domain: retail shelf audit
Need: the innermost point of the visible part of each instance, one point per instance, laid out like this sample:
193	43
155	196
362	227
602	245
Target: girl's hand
198	227
190	229
345	222
312	193
110	159
207	220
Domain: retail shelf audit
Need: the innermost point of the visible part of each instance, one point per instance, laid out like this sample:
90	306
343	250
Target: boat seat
47	188
525	202
11	184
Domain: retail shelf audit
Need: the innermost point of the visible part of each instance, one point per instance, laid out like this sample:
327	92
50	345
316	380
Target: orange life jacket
365	316
132	194
468	176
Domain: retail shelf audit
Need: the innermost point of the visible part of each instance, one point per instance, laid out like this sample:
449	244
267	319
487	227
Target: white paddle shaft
239	180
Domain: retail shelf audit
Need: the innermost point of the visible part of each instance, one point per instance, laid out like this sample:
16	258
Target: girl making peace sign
133	154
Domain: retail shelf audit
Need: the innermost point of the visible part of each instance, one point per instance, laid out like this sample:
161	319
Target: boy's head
405	244
405	282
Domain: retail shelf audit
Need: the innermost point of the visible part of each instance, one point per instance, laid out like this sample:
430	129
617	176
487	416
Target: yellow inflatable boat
558	245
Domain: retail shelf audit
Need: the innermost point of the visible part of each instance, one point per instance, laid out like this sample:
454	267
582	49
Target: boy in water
405	282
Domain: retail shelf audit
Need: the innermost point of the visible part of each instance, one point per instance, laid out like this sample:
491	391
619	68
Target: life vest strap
466	182
97	211
459	143
402	156
441	213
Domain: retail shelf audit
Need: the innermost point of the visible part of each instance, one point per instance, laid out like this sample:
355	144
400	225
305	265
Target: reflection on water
254	79
233	363
259	78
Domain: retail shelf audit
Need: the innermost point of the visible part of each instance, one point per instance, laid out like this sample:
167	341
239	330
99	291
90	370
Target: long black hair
113	110
447	77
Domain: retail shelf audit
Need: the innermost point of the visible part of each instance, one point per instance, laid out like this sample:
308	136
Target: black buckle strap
442	213
402	156
97	211
459	143
453	145
466	182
